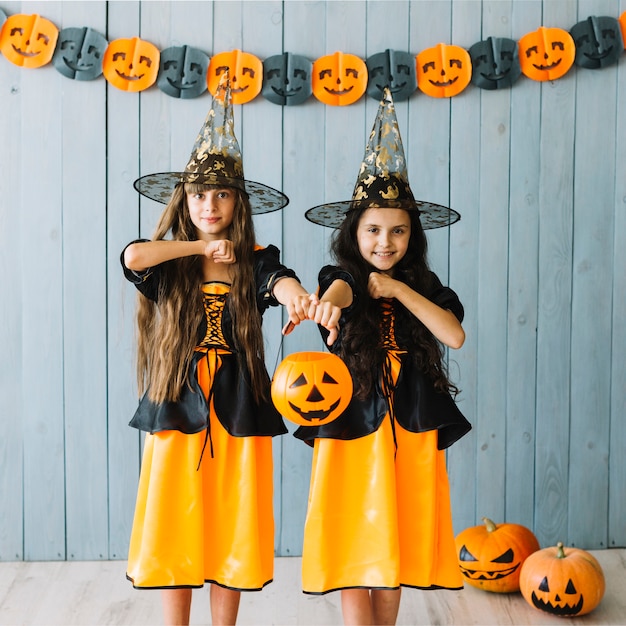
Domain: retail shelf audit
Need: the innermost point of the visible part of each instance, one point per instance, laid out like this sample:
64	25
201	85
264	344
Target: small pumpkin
28	40
491	555
131	64
245	71
562	581
311	388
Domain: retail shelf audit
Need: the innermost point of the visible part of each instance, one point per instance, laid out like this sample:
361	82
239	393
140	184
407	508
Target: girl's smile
383	237
211	212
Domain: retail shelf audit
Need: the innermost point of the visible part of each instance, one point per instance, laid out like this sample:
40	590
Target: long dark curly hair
363	356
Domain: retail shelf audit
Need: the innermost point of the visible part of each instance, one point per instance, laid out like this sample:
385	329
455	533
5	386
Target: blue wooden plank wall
537	172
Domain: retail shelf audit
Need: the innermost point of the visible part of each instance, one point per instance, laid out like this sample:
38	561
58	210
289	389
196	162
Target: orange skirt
377	521
212	524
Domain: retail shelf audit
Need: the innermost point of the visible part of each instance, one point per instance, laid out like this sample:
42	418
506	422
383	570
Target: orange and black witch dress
379	511
204	510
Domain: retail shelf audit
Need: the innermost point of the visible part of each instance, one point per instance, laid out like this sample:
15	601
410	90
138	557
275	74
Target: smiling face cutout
245	71
286	79
392	69
495	63
131	64
444	70
546	54
339	79
311	388
28	40
79	53
598	42
183	71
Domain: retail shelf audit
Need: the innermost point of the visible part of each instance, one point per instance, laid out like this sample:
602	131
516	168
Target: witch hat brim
383	181
215	160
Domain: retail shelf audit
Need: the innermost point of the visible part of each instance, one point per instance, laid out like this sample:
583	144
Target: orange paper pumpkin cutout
339	79
444	70
311	388
546	53
131	64
245	71
28	40
622	25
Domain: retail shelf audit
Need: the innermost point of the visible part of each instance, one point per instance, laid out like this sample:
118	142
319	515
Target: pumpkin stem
560	553
489	524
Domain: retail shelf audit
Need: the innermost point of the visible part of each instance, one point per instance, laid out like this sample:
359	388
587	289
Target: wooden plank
463	278
96	592
13	386
84	302
42	308
522	284
122	227
617	450
303	246
554	315
591	302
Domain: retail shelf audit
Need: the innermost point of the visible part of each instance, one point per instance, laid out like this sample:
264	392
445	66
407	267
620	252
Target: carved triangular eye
327	378
298	382
466	555
543	585
570	587
507	557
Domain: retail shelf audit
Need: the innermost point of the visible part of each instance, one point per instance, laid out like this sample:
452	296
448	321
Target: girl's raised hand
381	285
220	251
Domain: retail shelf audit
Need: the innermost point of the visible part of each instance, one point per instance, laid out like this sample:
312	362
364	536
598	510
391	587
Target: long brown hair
357	348
167	330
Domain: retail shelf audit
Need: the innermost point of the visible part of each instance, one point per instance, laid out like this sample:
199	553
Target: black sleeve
267	271
146	281
446	298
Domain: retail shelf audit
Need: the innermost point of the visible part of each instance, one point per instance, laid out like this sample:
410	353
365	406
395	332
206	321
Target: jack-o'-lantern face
495	63
131	64
562	581
287	79
183	71
444	70
339	79
79	53
311	388
598	42
28	40
546	53
245	71
392	69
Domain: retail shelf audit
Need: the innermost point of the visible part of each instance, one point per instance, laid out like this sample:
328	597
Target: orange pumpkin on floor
562	581
311	388
490	556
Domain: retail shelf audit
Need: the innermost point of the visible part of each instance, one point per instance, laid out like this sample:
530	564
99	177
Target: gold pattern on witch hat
215	160
383	180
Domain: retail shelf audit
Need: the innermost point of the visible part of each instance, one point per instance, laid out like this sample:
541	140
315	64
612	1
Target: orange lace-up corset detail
387	325
214	301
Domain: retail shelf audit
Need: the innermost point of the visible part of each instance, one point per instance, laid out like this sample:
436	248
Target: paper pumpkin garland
444	70
245	70
546	53
287	79
598	42
131	64
28	40
392	69
183	72
79	53
339	79
495	63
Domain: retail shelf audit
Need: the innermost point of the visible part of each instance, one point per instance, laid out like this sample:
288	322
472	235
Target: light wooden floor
89	593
